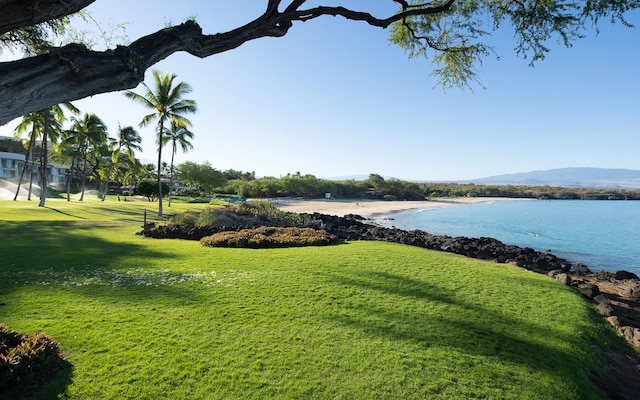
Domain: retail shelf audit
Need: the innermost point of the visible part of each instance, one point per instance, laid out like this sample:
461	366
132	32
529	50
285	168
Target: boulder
588	290
604	309
622	275
631	334
563	278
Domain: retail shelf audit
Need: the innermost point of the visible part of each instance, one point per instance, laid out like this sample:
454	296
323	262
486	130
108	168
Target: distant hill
569	177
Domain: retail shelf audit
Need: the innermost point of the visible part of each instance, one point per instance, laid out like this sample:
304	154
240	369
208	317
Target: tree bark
21	13
31	169
173	153
106	184
74	72
70	176
84	174
44	160
160	137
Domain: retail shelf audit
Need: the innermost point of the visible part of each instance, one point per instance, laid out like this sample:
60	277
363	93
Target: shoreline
374	208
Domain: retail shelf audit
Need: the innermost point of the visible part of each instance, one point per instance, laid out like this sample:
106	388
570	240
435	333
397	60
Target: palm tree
89	133
47	123
178	135
129	171
69	147
168	103
128	142
34	121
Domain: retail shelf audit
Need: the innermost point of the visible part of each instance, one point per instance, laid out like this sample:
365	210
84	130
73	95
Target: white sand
368	208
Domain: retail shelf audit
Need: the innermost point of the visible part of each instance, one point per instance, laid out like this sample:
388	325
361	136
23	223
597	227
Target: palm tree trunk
30	179
32	142
24	168
106	184
45	150
84	175
173	153
161	134
70	177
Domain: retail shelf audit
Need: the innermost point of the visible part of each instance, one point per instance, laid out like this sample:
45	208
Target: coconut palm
88	134
128	171
178	135
127	143
46	123
69	149
34	121
168	103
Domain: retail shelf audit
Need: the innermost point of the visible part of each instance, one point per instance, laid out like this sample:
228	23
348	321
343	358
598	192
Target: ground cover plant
147	319
27	362
269	237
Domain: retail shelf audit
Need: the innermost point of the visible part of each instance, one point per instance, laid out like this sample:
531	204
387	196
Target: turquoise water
604	235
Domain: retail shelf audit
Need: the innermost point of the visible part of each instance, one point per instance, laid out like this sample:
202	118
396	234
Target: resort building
11	164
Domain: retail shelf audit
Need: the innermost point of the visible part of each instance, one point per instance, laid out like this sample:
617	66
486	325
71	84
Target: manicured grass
148	319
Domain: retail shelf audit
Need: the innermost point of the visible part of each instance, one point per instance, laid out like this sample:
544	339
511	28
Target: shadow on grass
37	245
469	327
63	253
105	212
66	213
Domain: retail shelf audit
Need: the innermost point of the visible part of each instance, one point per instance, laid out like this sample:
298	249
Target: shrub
269	237
200	200
266	210
186	218
27	360
150	190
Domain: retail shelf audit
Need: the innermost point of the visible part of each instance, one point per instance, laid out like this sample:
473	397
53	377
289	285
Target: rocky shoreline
616	294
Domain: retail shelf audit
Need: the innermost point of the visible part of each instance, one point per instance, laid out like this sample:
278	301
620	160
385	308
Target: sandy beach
368	208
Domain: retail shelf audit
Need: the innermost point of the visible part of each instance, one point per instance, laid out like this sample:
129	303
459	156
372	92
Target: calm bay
604	235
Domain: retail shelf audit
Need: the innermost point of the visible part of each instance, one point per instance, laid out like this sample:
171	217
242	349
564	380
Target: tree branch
20	13
408	11
74	72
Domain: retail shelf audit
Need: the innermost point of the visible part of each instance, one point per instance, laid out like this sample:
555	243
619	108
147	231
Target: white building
10	165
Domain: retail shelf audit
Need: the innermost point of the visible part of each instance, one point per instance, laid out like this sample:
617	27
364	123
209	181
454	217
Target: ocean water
604	235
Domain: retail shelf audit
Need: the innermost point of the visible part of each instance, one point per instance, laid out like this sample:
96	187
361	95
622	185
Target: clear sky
333	98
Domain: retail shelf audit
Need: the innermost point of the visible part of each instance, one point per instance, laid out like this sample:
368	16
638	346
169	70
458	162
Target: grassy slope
143	318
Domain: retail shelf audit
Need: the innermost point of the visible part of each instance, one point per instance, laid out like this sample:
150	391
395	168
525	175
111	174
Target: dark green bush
186	218
267	210
26	360
200	200
150	190
269	237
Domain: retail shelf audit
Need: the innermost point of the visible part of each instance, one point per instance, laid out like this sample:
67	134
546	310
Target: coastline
371	208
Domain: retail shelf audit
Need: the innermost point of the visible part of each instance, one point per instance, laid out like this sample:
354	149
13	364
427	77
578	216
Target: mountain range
606	178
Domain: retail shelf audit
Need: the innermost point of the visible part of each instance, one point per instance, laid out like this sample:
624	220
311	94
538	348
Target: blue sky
334	98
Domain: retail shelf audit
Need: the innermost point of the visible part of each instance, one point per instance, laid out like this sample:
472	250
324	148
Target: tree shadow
68	253
487	332
65	213
34	245
123	215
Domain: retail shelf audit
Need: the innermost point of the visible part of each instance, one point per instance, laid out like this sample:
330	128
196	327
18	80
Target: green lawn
169	319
